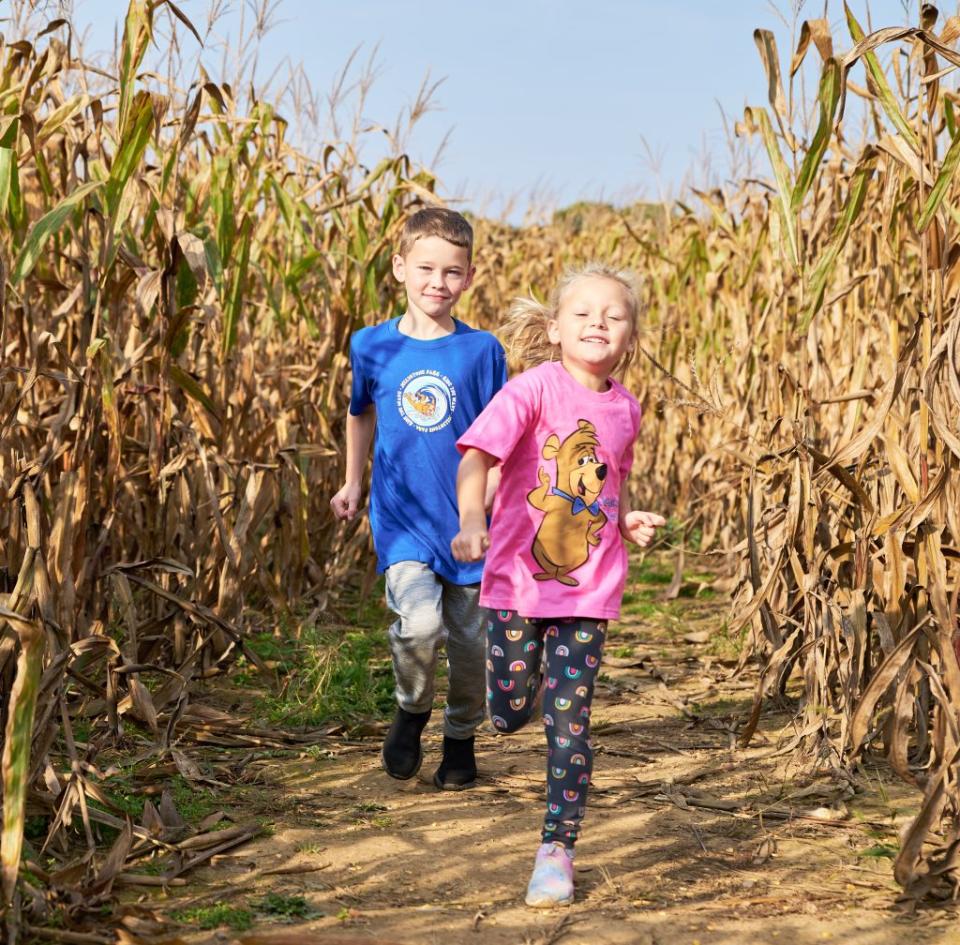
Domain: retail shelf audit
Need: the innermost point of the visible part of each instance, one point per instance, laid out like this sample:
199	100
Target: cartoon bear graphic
572	518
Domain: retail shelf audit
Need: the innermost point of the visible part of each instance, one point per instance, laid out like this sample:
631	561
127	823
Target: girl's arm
636	526
493	483
472	541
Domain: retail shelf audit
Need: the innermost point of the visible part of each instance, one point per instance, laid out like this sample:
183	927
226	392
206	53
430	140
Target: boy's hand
470	543
640	527
346	502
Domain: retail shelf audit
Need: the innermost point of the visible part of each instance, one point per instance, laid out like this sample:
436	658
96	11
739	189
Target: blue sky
558	99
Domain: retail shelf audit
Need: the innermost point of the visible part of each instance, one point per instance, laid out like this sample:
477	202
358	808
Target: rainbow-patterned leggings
567	652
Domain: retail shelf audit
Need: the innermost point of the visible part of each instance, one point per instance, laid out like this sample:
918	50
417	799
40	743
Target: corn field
178	285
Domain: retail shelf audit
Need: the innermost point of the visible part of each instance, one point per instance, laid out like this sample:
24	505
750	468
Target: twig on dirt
553	934
735	809
696	834
236	837
74	938
288	870
143	879
477	919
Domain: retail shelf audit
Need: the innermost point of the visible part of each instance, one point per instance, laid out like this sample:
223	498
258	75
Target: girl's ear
553	331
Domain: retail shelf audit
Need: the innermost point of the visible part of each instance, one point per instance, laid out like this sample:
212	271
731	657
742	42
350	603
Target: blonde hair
437	221
525	332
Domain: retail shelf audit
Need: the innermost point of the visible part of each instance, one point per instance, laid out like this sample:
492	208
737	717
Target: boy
419	381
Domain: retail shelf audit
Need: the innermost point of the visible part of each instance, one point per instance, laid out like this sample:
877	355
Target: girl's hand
470	543
640	527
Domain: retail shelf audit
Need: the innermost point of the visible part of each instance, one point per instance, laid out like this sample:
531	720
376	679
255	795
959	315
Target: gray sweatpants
432	611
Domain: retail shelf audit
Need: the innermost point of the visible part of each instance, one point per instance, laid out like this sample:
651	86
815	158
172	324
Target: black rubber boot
402	755
458	770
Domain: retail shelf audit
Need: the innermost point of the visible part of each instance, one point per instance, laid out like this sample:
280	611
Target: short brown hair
437	221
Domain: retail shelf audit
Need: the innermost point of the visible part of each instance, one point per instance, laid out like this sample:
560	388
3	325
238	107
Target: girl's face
593	327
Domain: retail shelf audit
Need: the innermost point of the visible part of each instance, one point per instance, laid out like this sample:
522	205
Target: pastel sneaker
552	881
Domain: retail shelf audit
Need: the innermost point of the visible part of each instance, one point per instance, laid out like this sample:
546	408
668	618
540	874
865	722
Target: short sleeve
361	394
626	459
502	423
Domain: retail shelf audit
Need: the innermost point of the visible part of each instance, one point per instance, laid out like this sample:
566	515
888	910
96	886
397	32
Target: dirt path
688	841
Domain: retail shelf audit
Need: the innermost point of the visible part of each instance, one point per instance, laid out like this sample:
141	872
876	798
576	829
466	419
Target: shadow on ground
688	840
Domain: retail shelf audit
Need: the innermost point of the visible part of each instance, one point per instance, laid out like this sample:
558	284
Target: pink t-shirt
555	543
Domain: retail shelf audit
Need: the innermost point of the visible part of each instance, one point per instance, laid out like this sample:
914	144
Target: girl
563	434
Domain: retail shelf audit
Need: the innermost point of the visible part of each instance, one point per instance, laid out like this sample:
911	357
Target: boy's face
435	274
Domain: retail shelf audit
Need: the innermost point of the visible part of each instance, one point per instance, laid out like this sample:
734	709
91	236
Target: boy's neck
416	324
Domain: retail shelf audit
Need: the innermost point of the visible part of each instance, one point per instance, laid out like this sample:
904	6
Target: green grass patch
724	643
123	793
193	803
332	674
881	850
312	848
641	604
153	867
240	918
368	807
35	828
651	570
127	795
220	913
328	672
289	907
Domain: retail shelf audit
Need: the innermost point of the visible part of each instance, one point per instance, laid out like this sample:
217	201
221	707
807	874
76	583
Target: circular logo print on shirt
426	400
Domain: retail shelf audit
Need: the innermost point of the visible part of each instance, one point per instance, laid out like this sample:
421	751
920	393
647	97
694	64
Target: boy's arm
638	527
472	541
360	429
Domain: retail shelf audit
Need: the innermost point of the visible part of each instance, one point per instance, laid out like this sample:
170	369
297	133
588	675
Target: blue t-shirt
426	394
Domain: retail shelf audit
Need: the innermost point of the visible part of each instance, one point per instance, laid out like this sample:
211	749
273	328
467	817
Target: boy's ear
399	268
471	272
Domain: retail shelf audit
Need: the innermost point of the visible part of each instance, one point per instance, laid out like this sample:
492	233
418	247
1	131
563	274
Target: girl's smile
593	328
